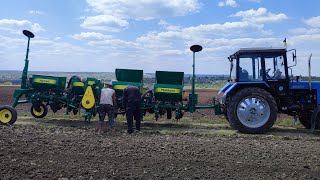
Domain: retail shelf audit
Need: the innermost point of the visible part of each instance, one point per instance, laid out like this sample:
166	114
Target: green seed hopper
168	94
45	83
169	86
126	77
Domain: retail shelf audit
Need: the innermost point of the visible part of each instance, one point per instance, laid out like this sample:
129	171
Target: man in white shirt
107	106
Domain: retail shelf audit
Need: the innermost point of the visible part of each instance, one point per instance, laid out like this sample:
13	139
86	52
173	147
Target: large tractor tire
8	115
39	110
305	120
252	110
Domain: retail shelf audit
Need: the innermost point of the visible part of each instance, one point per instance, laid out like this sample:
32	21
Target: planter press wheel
8	115
252	110
169	113
39	110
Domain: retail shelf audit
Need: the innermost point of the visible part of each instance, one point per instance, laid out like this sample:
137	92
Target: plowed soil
74	150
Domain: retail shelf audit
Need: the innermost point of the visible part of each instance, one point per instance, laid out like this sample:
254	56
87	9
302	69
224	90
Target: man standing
131	101
107	106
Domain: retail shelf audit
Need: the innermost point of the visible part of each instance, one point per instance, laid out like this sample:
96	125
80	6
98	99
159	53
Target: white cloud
231	3
115	44
36	12
260	15
305	31
15	26
201	33
313	22
144	9
91	36
105	23
168	26
305	38
163	23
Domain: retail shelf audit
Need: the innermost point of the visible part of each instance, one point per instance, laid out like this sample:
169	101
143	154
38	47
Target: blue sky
101	35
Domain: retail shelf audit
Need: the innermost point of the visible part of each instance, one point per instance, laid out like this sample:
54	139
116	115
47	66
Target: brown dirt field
57	152
72	149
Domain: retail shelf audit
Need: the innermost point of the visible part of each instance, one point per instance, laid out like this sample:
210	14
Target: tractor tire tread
232	108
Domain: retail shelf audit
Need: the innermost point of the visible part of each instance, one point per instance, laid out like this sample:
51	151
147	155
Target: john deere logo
168	90
44	81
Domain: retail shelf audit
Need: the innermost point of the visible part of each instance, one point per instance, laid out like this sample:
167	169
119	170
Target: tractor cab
259	65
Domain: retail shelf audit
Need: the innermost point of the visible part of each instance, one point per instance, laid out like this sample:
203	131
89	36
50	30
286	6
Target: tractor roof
259	50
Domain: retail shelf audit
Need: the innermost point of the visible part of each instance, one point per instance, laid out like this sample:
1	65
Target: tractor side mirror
293	57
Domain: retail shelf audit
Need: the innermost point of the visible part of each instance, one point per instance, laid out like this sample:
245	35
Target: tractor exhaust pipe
309	68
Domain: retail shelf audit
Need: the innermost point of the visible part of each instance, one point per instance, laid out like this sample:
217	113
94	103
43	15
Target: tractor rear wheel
305	120
39	110
252	110
8	115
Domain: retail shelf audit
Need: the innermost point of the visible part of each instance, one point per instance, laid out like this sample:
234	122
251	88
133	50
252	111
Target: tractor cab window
274	68
233	70
249	68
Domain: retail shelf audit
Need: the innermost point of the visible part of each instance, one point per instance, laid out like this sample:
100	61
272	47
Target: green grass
218	123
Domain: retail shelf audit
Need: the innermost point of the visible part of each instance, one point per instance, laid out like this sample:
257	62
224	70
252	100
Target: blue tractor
261	85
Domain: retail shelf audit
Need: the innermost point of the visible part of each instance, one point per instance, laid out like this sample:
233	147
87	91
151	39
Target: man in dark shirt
131	101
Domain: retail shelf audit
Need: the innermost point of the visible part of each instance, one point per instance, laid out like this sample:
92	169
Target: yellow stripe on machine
91	83
168	90
45	81
78	84
119	87
88	100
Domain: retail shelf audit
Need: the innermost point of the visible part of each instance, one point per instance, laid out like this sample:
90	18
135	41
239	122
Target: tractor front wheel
39	110
252	110
305	120
8	115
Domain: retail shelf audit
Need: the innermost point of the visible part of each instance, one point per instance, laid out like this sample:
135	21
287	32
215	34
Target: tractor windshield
275	69
250	68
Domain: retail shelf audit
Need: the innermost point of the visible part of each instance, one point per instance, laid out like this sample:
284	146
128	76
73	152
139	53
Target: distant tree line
14	77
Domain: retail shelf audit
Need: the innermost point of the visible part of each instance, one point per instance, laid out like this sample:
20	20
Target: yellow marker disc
88	100
5	116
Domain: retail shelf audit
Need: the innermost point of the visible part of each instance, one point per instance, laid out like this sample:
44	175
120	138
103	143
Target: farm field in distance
200	146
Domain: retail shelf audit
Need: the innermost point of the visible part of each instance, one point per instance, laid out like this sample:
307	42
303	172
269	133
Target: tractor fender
235	87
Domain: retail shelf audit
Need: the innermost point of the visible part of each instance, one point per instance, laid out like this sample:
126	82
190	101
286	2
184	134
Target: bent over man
107	106
131	101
